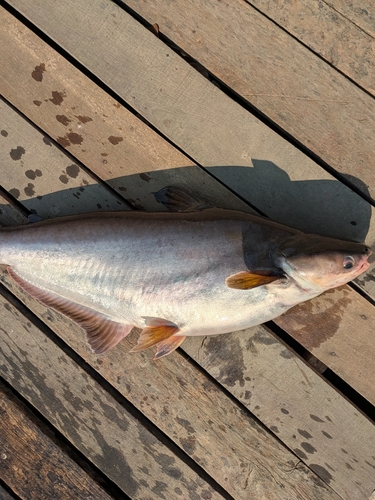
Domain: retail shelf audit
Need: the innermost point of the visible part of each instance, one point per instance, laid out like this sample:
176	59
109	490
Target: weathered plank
105	136
226	441
306	181
327	31
359	12
99	426
34	179
4	495
318	424
296	89
254	161
24	468
338	328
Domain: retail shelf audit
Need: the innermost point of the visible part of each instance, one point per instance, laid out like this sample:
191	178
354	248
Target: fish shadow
321	206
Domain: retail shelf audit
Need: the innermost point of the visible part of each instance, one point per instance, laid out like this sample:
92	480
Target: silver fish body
171	270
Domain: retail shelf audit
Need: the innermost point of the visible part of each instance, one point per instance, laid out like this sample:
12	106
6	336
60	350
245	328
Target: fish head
319	263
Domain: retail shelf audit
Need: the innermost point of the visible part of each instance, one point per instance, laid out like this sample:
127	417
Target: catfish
196	270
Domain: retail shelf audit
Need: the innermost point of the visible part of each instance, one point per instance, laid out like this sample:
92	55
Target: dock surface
258	106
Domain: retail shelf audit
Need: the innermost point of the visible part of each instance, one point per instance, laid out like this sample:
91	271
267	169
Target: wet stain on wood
326	311
145	177
57	97
29	190
72	171
83	119
115	140
63	119
4	133
37	74
37	103
15	193
33	174
69	139
17	153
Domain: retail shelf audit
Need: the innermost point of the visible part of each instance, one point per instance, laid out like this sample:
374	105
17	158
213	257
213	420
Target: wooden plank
361	13
99	426
226	441
338	328
4	495
289	84
32	464
310	417
324	28
33	180
112	142
211	136
255	162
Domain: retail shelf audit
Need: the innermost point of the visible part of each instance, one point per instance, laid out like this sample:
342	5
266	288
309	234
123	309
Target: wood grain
254	161
113	143
359	12
226	441
310	417
289	84
359	374
24	468
100	427
33	179
5	495
328	32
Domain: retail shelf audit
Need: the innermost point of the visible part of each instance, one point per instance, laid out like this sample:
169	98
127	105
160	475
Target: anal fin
101	332
167	346
152	335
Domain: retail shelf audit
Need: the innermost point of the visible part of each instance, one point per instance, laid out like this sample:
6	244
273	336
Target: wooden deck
255	105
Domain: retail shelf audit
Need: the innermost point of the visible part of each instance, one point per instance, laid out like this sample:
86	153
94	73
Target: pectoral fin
152	335
101	332
246	280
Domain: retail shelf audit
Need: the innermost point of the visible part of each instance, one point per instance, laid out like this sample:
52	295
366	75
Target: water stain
83	119
17	153
72	171
37	74
29	190
315	418
69	139
4	133
64	179
33	174
63	119
321	472
228	358
308	447
57	97
316	321
115	140
15	193
305	434
37	103
145	177
63	141
47	141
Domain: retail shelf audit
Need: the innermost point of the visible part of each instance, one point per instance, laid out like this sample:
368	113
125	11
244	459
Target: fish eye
348	262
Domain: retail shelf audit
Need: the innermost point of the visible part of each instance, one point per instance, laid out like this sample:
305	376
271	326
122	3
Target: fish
194	270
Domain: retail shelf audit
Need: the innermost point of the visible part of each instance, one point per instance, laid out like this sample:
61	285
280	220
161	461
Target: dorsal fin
177	200
101	332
